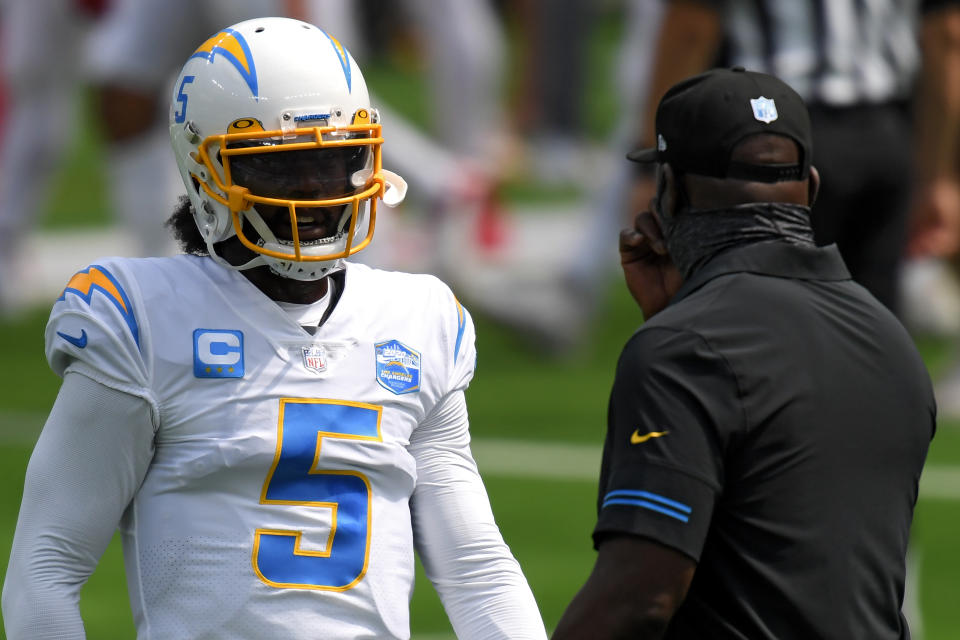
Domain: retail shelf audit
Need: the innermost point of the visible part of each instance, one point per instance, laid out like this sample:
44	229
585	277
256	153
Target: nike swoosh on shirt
636	438
80	342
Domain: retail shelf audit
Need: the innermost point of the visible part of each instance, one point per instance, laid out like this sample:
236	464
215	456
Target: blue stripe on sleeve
649	496
648	505
647	500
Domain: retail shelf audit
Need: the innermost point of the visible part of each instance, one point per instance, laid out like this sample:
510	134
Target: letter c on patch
218	348
217	353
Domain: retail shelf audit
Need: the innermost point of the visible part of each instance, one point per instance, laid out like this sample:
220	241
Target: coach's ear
666	200
813	186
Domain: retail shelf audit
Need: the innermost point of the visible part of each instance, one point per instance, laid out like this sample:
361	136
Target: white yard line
538	459
581	462
545	460
20	428
940	482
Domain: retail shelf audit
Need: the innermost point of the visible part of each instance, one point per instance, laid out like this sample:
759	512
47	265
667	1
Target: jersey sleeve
95	329
673	407
483	590
91	457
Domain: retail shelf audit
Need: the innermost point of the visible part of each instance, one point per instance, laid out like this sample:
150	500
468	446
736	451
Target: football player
274	429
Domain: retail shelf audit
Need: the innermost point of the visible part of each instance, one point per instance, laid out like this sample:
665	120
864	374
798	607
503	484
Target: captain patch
398	367
217	353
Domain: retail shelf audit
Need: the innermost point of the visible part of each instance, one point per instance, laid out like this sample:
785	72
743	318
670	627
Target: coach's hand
935	219
650	274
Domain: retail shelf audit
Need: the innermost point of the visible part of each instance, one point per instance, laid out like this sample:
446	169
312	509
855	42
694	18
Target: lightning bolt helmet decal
343	56
233	47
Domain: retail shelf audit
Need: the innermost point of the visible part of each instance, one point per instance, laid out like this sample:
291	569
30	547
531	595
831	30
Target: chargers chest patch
398	367
217	353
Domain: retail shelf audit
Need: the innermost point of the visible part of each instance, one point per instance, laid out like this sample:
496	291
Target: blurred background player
454	150
561	261
549	108
40	48
53	52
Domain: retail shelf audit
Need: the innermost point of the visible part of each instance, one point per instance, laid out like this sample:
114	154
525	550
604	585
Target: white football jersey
277	501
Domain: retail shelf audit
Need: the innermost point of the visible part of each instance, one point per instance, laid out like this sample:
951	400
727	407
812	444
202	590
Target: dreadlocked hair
184	228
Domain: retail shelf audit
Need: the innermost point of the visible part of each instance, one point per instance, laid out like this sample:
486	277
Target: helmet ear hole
206	221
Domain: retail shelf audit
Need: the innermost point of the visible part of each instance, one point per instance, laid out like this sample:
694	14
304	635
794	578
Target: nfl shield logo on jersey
314	358
764	109
398	367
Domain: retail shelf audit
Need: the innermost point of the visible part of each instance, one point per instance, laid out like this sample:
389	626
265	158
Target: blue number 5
297	479
181	115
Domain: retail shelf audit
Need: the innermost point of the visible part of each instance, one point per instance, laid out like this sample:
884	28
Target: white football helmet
277	144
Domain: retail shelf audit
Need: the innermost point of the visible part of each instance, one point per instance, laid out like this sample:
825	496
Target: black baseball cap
701	120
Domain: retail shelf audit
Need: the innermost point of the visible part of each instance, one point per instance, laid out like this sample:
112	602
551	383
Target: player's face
312	174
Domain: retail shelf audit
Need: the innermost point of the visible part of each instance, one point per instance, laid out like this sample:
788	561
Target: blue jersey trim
461	325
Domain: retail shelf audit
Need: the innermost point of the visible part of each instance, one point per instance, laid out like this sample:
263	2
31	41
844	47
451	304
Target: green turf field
517	395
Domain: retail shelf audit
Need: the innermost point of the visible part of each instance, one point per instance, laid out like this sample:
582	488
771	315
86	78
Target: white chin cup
303	271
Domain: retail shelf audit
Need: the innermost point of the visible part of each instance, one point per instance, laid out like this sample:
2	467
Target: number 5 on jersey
298	479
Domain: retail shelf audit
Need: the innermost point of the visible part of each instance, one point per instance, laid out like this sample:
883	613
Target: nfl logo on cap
764	109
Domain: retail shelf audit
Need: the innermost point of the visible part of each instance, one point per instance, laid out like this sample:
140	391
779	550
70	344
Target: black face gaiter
694	236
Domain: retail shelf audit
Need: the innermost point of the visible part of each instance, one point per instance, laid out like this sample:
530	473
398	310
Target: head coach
769	422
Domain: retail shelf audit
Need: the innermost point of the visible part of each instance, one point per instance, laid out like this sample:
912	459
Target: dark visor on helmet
307	174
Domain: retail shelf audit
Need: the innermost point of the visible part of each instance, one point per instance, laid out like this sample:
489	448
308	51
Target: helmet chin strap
288	269
284	268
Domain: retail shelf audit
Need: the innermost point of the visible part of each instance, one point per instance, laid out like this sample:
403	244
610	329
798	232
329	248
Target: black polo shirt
772	423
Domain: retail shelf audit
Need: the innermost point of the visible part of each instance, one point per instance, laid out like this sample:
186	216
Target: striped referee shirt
832	52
